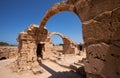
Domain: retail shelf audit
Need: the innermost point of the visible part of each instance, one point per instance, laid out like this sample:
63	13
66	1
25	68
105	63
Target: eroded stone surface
33	46
8	52
101	36
101	28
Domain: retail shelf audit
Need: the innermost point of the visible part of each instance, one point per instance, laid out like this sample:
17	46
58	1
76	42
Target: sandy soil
51	70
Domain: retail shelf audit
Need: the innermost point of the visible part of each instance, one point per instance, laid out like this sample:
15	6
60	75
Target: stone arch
69	46
95	14
58	7
98	16
55	33
67	5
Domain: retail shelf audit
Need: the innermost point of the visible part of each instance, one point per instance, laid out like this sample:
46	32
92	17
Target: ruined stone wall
47	50
8	51
27	58
27	55
102	38
69	46
101	28
29	39
42	35
58	48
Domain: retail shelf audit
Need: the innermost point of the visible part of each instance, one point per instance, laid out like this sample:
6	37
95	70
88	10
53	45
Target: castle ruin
100	26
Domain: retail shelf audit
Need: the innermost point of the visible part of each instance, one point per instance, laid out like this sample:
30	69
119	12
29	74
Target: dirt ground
51	70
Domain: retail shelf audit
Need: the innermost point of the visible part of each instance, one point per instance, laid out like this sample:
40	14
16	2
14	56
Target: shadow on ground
63	74
67	74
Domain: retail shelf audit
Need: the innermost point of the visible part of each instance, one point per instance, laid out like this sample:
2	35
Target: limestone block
34	64
102	28
8	51
116	15
103	60
104	17
115	31
116	24
88	9
94	31
89	31
37	70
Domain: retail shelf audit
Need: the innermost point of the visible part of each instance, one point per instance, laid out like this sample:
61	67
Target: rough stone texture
101	28
103	60
88	9
8	51
101	34
107	23
33	46
85	9
58	7
69	46
27	49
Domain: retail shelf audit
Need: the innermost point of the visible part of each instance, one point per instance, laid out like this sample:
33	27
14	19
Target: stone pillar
47	50
102	39
27	55
69	47
27	58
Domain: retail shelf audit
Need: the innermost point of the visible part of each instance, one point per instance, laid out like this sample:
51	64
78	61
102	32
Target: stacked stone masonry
100	26
33	46
7	52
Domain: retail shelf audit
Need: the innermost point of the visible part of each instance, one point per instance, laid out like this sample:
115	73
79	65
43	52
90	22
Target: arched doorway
96	20
71	26
55	36
61	8
39	50
68	24
69	46
57	43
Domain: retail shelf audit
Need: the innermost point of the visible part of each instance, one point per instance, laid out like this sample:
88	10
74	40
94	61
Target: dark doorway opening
80	47
3	58
39	50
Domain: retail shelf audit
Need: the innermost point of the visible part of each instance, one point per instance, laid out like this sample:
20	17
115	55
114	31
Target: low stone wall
8	51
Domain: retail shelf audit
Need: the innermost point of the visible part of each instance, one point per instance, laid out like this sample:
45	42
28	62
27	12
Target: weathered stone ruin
69	47
101	28
8	52
32	47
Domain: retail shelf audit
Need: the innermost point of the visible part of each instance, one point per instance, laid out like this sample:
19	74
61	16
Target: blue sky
17	15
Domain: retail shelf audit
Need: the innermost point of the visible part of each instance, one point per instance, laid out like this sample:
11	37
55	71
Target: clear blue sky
17	15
